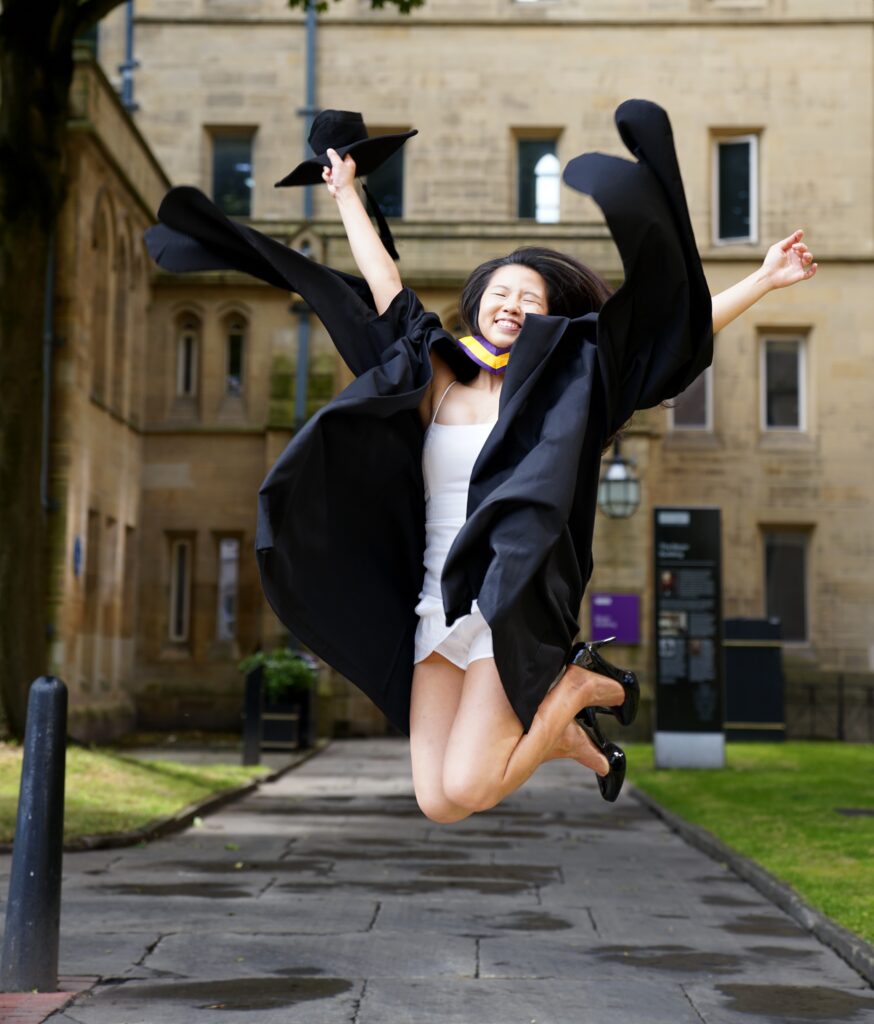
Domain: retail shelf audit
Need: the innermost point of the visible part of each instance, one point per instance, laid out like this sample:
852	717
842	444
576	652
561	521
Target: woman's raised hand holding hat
340	174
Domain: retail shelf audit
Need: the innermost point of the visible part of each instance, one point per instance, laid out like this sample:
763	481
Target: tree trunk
36	69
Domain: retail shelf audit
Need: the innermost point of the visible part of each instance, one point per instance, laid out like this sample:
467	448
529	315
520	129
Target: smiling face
513	291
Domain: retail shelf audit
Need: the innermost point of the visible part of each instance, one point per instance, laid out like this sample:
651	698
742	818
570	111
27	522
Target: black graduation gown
340	533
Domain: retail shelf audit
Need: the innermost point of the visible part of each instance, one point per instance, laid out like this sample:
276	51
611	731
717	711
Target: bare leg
488	756
437	686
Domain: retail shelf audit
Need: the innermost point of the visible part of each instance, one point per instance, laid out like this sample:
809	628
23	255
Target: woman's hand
788	262
340	174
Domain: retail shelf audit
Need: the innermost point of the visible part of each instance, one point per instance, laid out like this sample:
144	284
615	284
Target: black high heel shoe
586	656
611	783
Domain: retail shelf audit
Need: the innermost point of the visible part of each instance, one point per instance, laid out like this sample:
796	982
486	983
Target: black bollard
33	911
252	717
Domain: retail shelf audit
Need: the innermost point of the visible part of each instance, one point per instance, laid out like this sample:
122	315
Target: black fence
841	710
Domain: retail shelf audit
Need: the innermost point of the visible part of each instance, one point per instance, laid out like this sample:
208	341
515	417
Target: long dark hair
572	288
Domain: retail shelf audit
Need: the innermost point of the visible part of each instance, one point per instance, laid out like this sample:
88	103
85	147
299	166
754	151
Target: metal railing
833	711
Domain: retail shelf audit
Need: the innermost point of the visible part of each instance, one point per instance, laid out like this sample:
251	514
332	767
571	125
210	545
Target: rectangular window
228	578
735	189
786	581
232	172
234	374
783	384
180	589
693	408
186	361
539	180
386	183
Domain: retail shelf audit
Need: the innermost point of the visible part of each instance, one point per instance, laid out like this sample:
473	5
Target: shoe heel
611	783
586	656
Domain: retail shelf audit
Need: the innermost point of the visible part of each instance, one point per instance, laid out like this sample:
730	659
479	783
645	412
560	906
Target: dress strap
434	417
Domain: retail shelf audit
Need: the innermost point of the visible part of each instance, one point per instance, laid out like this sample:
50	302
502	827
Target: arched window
235	333
100	308
547	173
120	331
187	355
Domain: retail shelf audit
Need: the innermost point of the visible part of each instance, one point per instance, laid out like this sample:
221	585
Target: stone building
770	102
102	292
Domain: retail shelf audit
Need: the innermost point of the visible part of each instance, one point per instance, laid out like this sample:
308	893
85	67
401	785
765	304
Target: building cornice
739	20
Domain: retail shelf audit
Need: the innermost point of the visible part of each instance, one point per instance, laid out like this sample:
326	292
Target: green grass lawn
777	804
107	792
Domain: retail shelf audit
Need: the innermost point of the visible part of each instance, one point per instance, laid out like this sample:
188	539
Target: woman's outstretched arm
377	267
786	263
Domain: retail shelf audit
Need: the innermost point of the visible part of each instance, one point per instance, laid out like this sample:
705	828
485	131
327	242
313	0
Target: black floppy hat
345	131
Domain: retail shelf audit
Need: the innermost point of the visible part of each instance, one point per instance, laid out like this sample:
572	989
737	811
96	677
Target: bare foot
574	743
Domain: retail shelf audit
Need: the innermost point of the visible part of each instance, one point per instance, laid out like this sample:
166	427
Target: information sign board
688	637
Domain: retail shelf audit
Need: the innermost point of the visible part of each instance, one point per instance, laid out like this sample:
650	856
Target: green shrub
286	672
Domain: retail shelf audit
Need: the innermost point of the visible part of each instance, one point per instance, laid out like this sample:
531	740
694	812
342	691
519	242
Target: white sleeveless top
448	456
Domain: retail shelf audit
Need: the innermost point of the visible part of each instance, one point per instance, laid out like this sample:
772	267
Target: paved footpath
327	898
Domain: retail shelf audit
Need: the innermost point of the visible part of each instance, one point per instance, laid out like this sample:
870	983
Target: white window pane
228	576
547	189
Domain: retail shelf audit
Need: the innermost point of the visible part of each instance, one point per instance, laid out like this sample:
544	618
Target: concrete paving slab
115	951
484	917
524	1001
394	955
269	1000
307	913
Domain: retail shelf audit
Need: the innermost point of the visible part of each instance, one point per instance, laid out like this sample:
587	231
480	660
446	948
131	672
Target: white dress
448	456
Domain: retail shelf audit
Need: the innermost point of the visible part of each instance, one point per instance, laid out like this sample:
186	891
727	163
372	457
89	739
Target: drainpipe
48	341
308	112
129	65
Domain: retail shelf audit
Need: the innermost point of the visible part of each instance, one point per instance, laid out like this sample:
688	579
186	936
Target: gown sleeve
655	333
195	235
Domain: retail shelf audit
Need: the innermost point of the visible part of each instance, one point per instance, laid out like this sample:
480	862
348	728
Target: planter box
288	724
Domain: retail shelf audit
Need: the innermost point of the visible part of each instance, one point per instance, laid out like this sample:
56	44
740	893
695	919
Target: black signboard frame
687	635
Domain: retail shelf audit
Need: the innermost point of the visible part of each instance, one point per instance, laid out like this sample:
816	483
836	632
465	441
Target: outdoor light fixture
619	488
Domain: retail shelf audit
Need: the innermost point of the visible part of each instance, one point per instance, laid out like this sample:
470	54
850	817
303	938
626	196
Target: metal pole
130	65
252	717
33	911
841	706
309	109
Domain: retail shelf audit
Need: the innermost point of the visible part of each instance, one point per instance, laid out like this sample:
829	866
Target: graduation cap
346	132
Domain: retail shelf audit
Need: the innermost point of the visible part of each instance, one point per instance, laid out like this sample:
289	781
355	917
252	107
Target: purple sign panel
615	615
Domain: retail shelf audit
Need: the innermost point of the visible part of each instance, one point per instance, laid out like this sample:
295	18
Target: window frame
184	636
240	132
801	363
219	540
532	134
719	139
805	534
185	326
228	324
400	155
707	428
